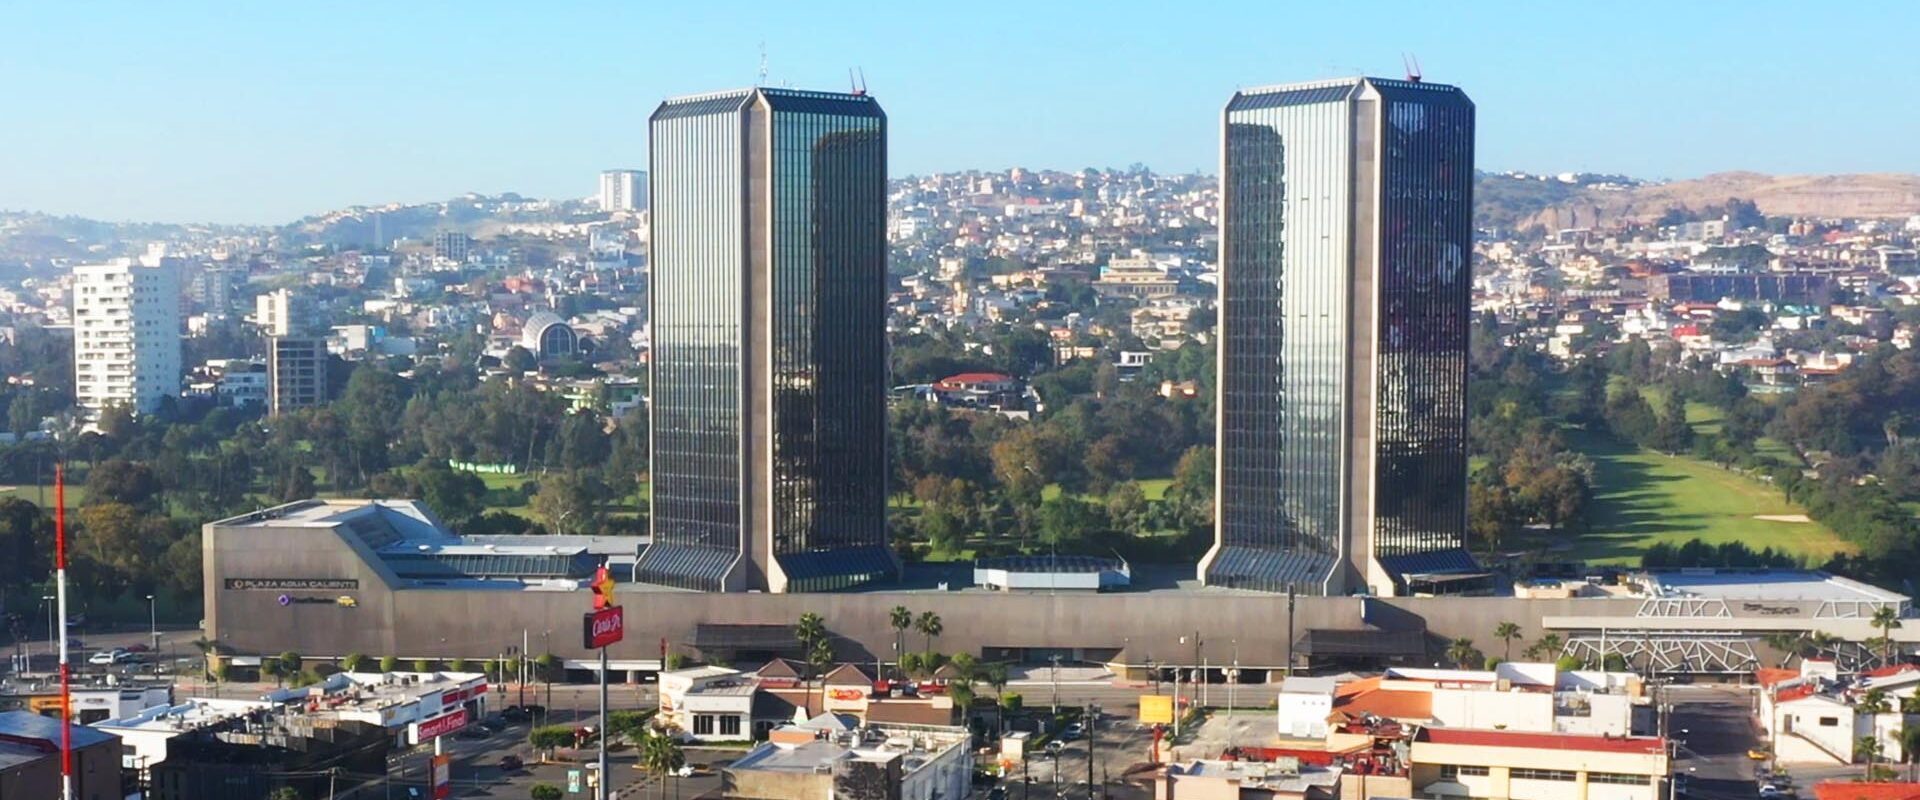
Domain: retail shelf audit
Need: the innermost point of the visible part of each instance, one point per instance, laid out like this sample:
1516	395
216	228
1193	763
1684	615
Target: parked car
1774	791
495	724
472	732
138	648
510	763
1072	733
108	657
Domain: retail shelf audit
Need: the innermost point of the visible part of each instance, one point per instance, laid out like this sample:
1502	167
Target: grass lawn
1642	497
33	493
1153	488
1707	419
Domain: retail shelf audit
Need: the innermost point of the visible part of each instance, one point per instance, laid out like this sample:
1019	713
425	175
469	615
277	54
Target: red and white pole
66	674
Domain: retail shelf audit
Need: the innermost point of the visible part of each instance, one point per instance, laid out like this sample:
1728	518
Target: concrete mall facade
326	578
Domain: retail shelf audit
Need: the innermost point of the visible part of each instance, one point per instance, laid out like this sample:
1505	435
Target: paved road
1714	729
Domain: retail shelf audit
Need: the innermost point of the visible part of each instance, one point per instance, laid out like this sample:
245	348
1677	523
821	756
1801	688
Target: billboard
1156	708
603	627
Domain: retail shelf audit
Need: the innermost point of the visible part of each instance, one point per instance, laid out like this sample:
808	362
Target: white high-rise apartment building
623	190
126	334
282	312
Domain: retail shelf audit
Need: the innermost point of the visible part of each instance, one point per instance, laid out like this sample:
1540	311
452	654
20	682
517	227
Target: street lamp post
153	626
53	628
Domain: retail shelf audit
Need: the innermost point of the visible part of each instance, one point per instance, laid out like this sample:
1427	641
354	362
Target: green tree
389	663
1461	652
1886	618
1506	632
1868	749
628	725
1910	749
455	496
569	501
942	530
118	480
546	791
520	360
962	696
1548	647
929	626
1191	493
660	756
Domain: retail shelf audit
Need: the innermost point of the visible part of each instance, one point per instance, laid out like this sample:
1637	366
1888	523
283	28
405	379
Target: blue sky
266	111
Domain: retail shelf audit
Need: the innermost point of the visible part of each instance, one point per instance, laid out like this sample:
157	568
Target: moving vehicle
1073	732
510	763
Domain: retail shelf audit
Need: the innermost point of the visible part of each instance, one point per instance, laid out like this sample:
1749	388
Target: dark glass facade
1426	229
769	350
1344	303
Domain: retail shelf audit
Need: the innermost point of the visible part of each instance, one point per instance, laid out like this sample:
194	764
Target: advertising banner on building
439	726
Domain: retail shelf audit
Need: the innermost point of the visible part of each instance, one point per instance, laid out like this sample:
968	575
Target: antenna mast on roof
763	64
1412	64
861	89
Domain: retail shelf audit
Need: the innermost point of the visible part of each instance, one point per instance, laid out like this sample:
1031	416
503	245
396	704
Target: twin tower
1344	308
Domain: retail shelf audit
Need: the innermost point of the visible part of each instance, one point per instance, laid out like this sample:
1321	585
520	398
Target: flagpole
60	578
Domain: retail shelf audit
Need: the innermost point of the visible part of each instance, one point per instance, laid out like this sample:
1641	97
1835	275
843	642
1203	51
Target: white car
109	657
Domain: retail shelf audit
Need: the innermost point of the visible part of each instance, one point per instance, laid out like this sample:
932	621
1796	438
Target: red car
137	648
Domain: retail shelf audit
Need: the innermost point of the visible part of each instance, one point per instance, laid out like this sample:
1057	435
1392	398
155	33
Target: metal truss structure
1660	651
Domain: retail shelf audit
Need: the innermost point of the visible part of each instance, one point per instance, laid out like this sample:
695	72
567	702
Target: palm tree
818	660
1506	632
1822	642
1460	651
1787	643
929	625
962	694
1886	618
1548	647
1910	746
1869	748
660	755
901	619
812	628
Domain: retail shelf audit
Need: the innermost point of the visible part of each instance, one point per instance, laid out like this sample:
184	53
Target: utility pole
1055	658
1233	680
1093	719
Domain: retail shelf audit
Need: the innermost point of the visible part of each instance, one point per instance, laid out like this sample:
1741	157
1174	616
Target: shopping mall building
326	578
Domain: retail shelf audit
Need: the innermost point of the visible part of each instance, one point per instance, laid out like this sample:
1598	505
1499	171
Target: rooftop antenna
862	91
763	63
1412	64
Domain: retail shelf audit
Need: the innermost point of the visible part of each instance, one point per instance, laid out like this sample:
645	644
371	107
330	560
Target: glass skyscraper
1347	225
768	258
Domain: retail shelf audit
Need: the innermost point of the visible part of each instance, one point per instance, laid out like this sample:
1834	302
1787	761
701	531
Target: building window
703	724
1542	774
1829	722
1620	779
730	725
1453	772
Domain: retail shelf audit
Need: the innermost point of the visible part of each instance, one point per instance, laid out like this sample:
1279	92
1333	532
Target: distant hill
1875	195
